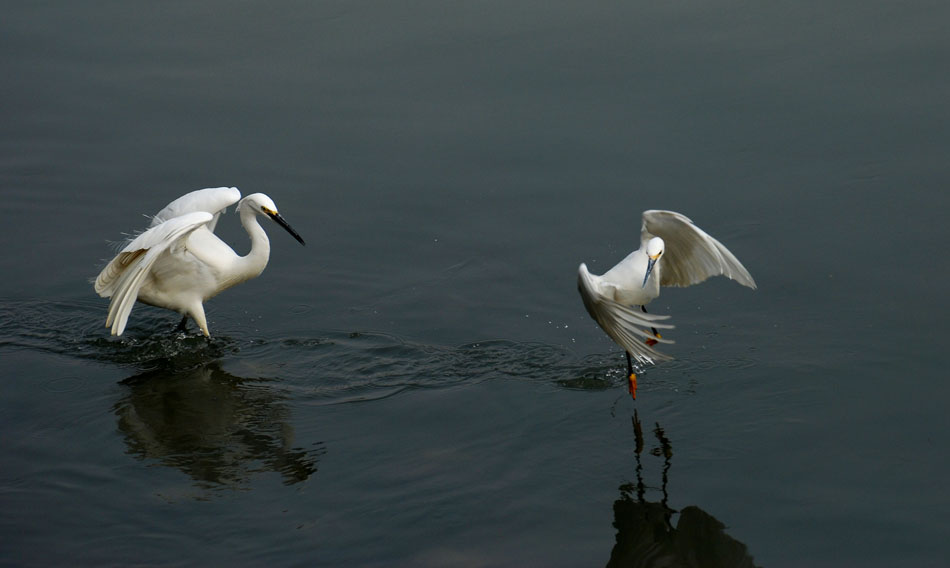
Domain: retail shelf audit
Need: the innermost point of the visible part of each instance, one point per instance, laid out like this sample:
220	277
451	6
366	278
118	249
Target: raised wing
214	200
124	275
628	327
691	255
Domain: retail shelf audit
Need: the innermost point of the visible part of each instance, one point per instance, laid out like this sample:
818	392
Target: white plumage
673	252
178	263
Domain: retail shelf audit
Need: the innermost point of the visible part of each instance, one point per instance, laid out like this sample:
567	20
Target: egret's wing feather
108	278
137	259
691	255
626	326
106	281
214	200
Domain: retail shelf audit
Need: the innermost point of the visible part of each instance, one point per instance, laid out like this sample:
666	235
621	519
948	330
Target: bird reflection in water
646	536
217	428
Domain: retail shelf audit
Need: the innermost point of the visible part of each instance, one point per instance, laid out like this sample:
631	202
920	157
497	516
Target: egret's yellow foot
632	387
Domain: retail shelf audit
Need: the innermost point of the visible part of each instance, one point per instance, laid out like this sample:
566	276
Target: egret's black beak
650	264
280	221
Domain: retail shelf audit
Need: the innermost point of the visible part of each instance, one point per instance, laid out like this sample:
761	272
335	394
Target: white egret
179	262
673	252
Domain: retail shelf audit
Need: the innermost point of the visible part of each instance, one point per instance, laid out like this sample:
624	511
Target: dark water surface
420	385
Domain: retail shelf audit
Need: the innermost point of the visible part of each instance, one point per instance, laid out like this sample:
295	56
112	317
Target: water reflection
646	536
217	428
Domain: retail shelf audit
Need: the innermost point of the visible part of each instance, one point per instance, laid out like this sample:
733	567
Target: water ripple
328	367
73	329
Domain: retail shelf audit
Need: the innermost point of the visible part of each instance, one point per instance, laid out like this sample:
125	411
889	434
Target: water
421	385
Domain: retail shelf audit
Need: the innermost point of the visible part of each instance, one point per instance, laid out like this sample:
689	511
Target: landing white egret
178	263
673	252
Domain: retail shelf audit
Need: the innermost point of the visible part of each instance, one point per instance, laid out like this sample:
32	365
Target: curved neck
254	262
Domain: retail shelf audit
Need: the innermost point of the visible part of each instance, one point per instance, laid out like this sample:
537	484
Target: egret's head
262	205
655	247
258	203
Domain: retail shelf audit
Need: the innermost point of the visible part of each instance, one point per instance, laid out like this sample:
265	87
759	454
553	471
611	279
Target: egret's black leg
183	326
653	329
629	364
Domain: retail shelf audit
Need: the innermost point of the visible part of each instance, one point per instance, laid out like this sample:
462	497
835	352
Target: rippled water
420	385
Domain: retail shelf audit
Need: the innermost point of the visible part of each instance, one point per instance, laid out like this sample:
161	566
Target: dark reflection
217	428
646	536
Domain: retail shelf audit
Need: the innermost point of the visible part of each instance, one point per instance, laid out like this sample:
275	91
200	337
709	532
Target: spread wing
691	255
122	278
628	327
214	200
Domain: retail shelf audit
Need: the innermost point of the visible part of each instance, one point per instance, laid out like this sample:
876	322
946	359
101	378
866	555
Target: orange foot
651	342
632	386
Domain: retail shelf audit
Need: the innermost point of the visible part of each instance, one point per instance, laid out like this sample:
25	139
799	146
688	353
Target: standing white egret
179	262
673	252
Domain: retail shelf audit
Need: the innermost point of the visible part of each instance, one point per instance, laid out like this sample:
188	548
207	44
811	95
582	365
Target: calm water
420	385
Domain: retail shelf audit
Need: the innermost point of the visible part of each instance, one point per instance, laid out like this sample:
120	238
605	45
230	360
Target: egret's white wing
126	273
106	281
214	200
691	255
626	326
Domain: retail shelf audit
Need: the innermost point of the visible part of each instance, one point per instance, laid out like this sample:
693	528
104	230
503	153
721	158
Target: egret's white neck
255	261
